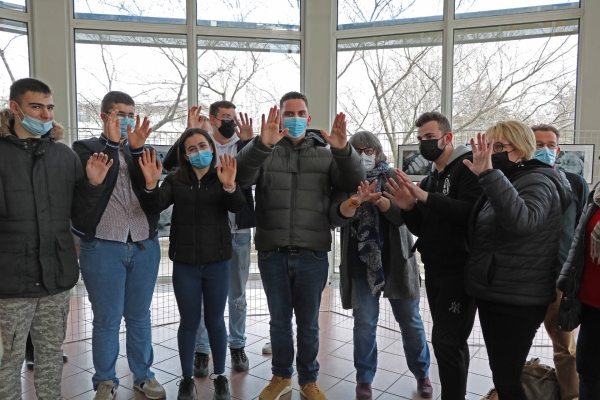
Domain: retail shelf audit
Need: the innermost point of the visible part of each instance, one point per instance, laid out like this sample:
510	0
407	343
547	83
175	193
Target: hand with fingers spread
366	192
195	120
244	127
414	189
269	130
482	155
150	168
97	167
138	136
113	127
399	195
226	172
337	139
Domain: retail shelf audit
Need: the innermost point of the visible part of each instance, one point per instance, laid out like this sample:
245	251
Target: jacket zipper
294	177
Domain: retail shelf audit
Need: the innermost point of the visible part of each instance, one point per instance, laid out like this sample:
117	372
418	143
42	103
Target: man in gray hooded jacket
295	173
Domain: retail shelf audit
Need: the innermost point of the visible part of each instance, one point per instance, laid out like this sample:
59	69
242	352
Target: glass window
384	83
523	72
254	14
251	73
162	12
484	8
14	54
365	13
150	68
16	5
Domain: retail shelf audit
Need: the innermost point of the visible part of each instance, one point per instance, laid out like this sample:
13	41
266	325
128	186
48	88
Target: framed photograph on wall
412	162
578	159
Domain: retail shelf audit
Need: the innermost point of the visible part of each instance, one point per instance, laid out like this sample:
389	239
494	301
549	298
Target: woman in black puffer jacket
515	232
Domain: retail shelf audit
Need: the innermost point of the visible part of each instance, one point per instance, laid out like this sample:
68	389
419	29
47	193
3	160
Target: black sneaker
239	360
201	364
186	388
221	388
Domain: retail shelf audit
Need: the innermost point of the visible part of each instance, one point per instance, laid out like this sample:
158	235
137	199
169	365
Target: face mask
429	149
296	126
545	155
368	161
123	122
201	159
501	162
34	126
227	128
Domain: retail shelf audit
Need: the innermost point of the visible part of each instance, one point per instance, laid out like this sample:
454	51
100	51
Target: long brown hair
185	169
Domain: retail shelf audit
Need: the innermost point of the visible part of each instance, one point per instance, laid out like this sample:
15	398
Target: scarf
595	245
368	235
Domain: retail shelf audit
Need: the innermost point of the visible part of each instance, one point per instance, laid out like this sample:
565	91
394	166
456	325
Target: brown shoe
312	392
277	388
364	391
424	388
491	395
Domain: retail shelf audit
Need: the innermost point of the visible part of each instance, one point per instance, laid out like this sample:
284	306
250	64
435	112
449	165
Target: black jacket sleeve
85	195
158	199
170	161
234	201
346	170
249	161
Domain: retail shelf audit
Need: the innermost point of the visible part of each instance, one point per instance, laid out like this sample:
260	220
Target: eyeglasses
499	147
367	150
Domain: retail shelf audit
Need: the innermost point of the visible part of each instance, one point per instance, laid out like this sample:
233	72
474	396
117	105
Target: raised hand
113	127
195	120
482	155
399	195
338	138
244	127
150	168
97	167
226	171
366	192
414	190
269	130
137	137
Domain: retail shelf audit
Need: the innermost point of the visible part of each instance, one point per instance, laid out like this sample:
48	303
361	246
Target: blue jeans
194	284
294	283
239	271
366	316
120	278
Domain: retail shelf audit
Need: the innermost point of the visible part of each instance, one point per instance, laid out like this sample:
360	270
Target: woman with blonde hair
515	232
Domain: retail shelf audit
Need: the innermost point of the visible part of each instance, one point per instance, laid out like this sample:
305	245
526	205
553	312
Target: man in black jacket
119	252
438	213
42	186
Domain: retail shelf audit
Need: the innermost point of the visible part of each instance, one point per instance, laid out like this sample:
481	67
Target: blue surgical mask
296	126
123	122
201	159
545	155
34	126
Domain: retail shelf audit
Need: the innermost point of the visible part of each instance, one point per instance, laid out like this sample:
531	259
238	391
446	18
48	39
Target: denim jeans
294	283
238	277
193	284
366	316
120	278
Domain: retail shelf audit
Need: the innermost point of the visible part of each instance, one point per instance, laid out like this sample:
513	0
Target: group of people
495	223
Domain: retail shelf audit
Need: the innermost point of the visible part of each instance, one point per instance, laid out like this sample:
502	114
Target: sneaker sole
284	391
149	396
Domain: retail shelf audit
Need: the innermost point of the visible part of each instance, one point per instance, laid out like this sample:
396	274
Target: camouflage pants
46	319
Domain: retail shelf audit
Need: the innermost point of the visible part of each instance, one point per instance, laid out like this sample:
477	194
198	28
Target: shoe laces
239	354
183	382
274	382
312	387
220	382
201	358
105	389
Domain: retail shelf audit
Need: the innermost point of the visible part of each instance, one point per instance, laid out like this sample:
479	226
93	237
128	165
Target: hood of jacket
7	121
458	152
312	138
560	180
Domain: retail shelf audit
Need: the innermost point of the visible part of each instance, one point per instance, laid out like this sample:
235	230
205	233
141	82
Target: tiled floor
393	380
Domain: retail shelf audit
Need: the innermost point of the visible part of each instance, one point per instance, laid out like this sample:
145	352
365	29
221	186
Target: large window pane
365	13
523	72
14	54
150	68
16	5
255	14
251	73
164	11
481	8
384	83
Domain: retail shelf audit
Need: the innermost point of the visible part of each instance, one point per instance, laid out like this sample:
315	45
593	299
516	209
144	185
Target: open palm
150	168
97	167
226	171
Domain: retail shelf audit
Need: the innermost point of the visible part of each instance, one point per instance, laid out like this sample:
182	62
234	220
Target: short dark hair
111	98
184	169
22	86
440	118
291	96
214	107
546	127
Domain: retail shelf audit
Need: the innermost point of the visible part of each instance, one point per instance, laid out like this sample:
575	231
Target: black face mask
501	162
227	128
429	149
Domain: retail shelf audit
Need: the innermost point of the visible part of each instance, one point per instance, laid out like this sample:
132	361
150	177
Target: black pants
508	339
453	315
588	353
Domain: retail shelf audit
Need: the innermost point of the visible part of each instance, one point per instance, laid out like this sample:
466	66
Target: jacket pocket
69	268
12	260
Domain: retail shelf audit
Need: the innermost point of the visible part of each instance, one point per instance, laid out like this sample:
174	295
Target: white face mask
368	161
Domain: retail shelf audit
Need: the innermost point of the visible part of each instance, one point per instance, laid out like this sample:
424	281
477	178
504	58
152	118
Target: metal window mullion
192	53
447	59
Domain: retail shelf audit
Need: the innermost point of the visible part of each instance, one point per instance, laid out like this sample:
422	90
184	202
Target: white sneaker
152	389
106	391
267	348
